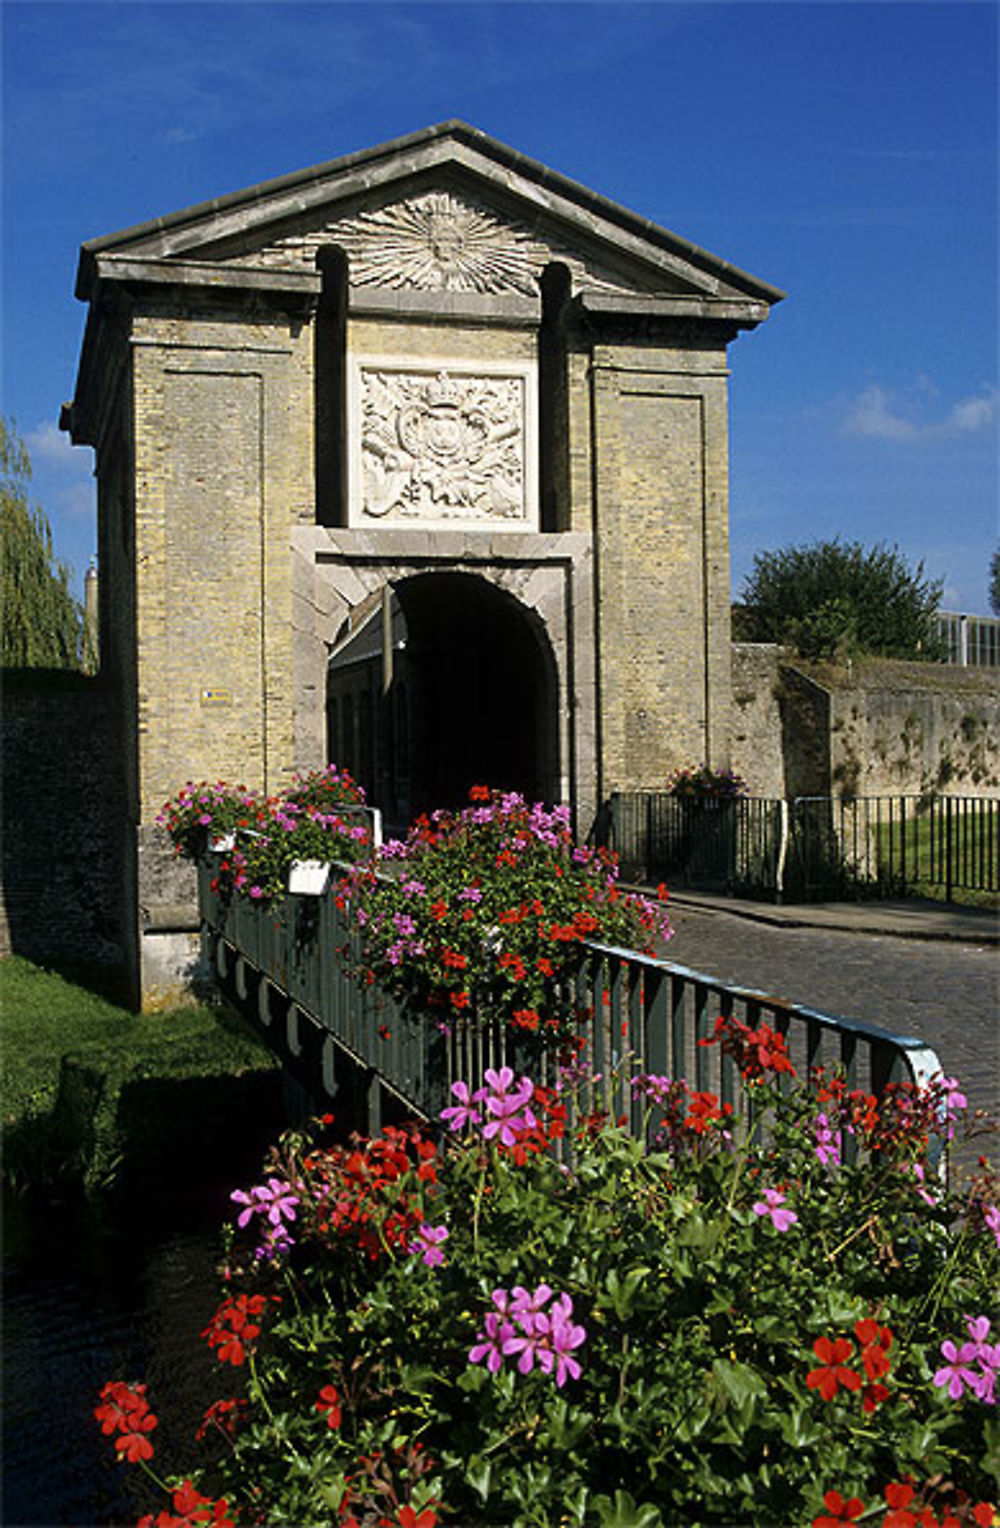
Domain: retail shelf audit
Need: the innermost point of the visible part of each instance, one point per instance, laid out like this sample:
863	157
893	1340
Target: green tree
41	621
995	582
838	599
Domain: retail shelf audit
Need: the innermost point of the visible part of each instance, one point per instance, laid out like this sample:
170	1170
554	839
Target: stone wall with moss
874	728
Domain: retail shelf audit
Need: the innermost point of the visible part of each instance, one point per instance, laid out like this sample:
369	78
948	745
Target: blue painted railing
293	965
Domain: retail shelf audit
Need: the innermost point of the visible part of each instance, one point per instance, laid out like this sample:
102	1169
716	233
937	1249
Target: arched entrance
468	697
482	688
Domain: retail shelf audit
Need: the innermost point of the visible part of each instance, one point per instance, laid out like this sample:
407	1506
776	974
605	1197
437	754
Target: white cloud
882	414
48	444
972	414
872	413
76	502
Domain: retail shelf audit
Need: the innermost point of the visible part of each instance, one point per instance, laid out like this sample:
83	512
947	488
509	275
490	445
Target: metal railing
897	844
809	847
295	966
972	641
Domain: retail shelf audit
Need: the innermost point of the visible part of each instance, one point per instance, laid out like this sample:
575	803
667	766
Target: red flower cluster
898	1123
833	1373
757	1052
125	1410
360	1195
906	1510
231	1330
690	1116
191	1509
838	1510
551	1116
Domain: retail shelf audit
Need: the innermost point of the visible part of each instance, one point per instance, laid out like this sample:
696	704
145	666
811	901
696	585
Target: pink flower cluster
504	1102
771	1207
427	1242
526	1325
973	1366
276	1204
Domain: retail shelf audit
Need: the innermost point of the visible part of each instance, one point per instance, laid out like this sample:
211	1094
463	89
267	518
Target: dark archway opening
467	698
482	692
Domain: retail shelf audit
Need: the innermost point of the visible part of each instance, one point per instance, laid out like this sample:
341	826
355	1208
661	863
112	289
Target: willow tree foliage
837	599
41	621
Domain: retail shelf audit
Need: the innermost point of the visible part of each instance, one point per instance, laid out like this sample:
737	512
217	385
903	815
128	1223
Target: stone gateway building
416	461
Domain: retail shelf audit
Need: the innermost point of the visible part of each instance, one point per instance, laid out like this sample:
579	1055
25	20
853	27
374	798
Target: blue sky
845	153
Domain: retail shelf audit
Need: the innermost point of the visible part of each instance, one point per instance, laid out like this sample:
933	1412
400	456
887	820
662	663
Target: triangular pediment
447	209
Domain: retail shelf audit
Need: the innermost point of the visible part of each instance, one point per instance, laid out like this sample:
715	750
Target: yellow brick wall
662	563
460	342
223	446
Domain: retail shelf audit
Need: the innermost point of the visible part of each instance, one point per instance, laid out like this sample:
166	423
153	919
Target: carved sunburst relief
440	243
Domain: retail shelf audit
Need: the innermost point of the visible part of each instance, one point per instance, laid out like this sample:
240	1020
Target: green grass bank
96	1097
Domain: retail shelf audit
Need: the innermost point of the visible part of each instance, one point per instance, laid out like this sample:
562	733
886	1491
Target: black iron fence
809	848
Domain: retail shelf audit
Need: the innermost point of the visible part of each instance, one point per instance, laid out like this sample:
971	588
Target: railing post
948	848
902	844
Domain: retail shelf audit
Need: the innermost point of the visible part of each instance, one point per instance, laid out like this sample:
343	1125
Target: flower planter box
308	878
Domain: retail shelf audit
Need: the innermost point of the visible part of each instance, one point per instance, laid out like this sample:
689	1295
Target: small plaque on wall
442	444
216	697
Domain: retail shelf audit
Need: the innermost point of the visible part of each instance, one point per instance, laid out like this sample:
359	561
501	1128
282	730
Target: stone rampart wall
876	728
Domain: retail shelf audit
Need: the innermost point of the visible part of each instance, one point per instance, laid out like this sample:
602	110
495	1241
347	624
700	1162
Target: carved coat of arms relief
444	446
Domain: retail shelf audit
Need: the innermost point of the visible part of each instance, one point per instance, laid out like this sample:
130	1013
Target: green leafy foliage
994	590
539	1320
706	784
835	599
40	621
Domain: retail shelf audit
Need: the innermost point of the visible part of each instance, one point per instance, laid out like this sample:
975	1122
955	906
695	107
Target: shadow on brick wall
62	869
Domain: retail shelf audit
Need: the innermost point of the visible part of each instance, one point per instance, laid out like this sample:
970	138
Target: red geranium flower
134	1444
833	1372
407	1518
329	1401
838	1510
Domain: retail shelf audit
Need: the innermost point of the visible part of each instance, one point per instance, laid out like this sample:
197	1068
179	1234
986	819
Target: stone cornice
744	313
299	287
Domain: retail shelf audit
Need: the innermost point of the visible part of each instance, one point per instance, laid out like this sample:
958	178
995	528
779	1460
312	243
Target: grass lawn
76	1070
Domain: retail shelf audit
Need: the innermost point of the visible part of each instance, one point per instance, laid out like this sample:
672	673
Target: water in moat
120	1294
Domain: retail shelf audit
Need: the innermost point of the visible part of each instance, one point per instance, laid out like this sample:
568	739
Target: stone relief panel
439	241
443	445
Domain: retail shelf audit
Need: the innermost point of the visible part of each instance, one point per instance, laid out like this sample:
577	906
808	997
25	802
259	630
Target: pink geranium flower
771	1207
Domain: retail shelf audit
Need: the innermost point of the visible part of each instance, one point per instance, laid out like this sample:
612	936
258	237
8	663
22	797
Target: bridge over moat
285	966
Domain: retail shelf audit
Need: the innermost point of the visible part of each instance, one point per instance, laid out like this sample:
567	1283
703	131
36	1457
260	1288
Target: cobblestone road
941	992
